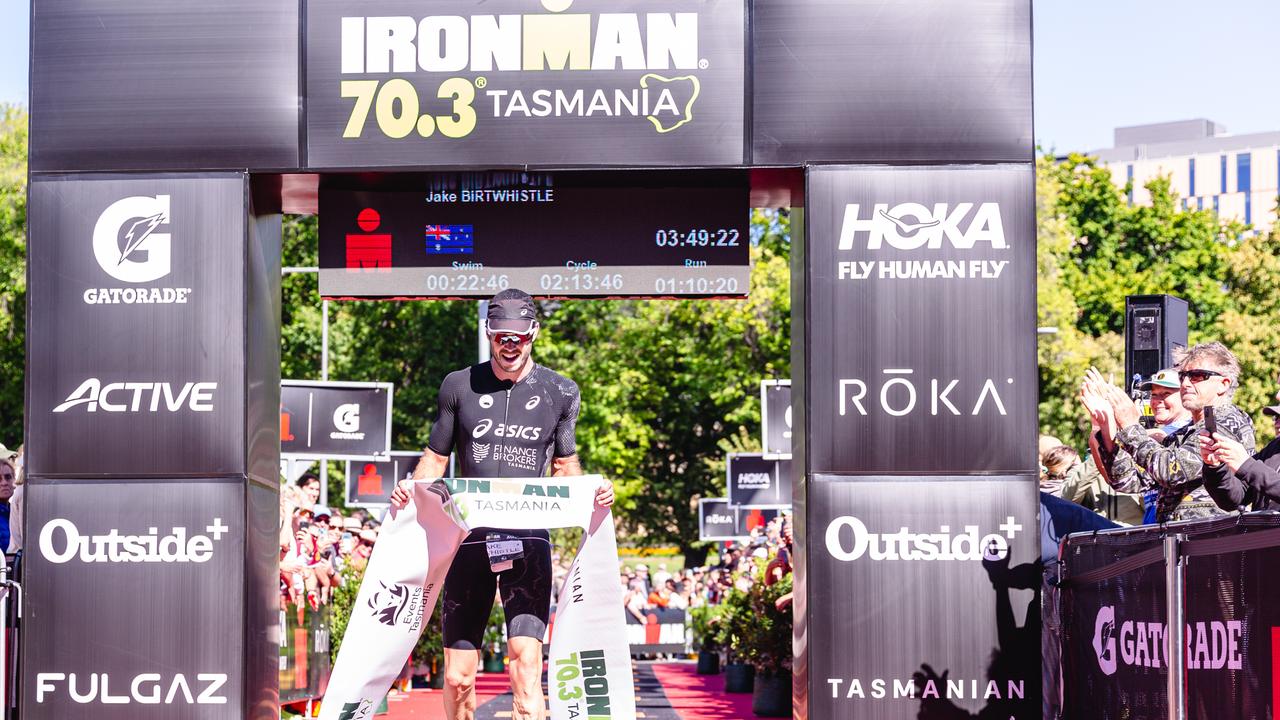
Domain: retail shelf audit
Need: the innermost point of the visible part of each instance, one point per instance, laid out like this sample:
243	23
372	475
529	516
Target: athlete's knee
461	682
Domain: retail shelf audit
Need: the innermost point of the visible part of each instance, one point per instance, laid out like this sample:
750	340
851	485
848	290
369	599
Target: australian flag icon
449	239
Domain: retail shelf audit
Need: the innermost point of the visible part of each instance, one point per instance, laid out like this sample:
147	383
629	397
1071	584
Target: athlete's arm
565	460
430	467
435	458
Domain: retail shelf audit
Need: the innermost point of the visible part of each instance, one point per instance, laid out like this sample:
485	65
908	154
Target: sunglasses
509	338
1197	376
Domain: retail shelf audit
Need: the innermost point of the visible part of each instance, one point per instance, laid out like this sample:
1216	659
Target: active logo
898	395
907	545
61	542
395	605
146	396
346	420
144	688
129	247
915	226
486	401
1213	645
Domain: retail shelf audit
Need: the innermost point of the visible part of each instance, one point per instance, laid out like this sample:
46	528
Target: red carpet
700	697
429	704
664	691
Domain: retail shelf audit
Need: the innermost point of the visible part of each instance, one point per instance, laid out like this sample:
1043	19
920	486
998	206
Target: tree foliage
670	386
13	270
1095	249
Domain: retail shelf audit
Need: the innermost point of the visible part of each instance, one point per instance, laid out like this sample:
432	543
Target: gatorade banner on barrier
590	661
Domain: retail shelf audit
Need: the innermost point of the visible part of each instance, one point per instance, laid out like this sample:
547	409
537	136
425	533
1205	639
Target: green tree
670	386
13	270
1095	249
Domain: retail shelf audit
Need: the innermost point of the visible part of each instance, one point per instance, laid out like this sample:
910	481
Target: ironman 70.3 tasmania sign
403	83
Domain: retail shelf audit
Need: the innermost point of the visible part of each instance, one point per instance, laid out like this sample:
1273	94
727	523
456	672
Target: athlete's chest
526	414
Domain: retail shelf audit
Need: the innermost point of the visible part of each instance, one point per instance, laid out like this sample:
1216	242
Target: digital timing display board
643	233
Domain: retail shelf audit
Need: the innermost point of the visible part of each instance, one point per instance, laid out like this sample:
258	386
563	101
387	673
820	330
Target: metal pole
1175	591
324	375
482	338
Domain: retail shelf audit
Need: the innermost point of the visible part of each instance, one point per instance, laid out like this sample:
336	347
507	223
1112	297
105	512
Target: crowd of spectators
317	543
1188	454
693	587
11	491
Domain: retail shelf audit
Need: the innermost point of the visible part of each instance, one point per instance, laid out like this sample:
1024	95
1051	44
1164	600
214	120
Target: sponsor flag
590	660
449	239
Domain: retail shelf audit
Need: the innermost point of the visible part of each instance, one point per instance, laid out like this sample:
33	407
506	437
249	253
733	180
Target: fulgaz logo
144	689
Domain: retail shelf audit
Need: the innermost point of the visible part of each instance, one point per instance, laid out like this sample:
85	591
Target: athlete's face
511	352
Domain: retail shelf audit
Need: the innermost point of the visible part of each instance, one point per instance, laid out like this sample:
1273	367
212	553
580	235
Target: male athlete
509	417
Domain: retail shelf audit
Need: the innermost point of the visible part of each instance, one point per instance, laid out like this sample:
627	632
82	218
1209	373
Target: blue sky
1099	64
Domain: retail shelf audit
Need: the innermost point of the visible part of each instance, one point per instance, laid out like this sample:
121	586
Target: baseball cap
511	310
1273	410
320	510
351	524
368	536
1165	378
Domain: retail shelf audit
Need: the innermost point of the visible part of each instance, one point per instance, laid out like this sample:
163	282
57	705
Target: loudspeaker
1154	326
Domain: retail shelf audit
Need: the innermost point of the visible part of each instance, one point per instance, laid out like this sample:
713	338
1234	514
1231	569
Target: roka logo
1213	645
907	545
910	226
125	240
118	397
898	395
346	420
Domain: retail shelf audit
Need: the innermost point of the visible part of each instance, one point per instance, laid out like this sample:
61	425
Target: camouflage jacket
1172	467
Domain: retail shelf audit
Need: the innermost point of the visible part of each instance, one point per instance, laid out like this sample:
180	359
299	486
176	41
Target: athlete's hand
400	496
604	494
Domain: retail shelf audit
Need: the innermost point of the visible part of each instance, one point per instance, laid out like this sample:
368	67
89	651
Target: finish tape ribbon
589	672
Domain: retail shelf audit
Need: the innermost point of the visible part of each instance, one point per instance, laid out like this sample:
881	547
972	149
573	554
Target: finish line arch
899	132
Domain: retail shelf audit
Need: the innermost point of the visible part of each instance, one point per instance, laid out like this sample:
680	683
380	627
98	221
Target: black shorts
469	589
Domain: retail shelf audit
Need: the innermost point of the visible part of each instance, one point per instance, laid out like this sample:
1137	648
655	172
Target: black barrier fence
1115	605
304	652
661	631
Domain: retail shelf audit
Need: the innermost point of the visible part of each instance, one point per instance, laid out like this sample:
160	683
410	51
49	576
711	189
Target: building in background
1236	175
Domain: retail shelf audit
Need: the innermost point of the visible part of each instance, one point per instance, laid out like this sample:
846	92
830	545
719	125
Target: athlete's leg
460	683
526	601
467	600
525	656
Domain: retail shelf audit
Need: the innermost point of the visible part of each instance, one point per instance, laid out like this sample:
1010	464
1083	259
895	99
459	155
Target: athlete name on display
643	233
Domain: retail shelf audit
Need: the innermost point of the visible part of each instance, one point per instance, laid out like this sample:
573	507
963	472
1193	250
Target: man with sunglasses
1134	461
508	417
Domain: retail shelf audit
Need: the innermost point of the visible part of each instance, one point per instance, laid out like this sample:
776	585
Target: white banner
590	662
